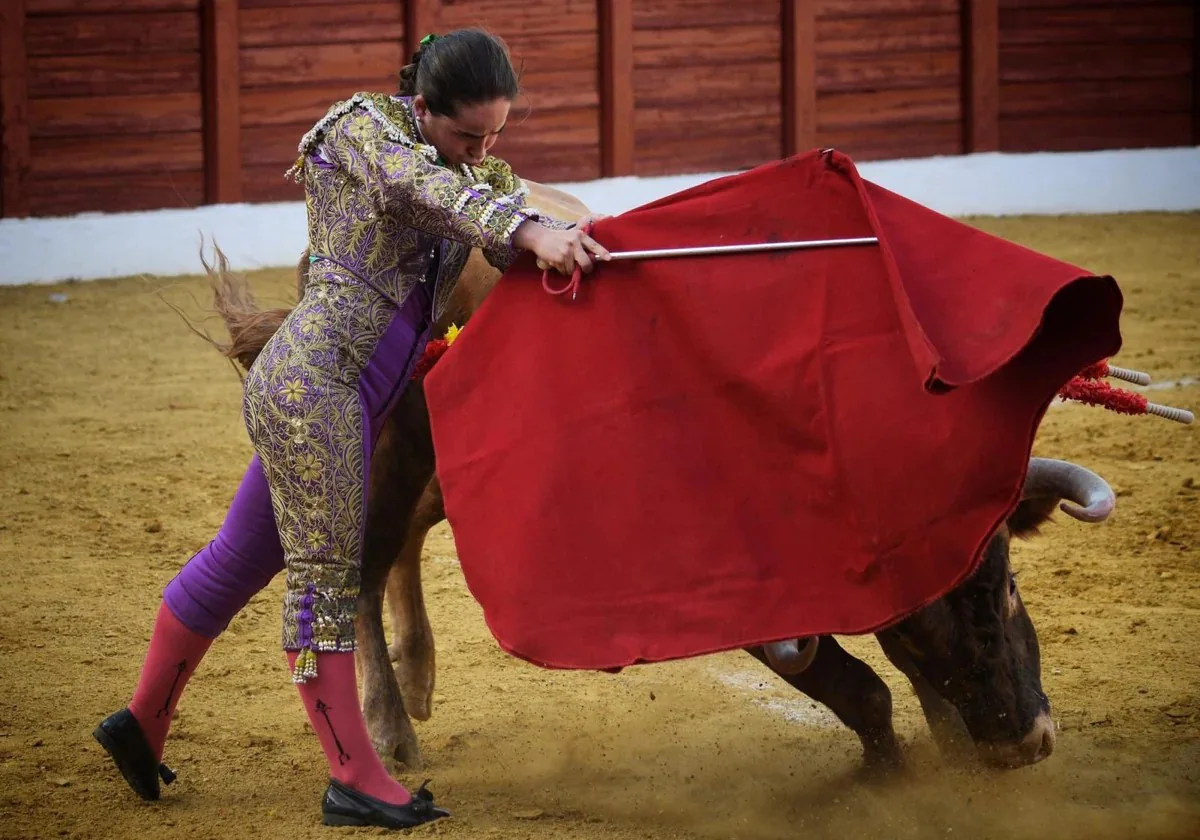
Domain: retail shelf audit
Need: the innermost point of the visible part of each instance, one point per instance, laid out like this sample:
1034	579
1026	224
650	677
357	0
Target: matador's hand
560	249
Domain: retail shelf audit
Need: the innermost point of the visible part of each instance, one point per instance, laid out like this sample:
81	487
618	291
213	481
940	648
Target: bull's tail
249	326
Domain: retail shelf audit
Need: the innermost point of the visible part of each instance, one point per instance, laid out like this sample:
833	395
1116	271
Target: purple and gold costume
389	230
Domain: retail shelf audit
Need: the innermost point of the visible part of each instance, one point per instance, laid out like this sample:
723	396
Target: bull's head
973	655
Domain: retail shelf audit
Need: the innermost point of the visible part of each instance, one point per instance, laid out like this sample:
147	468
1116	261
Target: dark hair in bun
464	67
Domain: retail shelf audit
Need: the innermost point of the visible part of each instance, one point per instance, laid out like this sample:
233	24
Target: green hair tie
428	39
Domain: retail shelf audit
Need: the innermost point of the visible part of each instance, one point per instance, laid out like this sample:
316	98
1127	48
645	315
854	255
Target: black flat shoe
121	735
345	806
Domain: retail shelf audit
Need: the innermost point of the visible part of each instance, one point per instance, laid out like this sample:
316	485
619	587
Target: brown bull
972	656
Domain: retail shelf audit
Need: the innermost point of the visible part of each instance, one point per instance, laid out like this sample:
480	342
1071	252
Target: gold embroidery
302	409
378	210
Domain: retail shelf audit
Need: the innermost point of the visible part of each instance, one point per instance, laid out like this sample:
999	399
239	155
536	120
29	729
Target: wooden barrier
295	61
889	80
113	106
1096	75
110	105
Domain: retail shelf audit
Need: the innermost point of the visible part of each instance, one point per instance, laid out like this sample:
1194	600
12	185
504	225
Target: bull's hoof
882	757
882	765
407	755
416	691
399	745
418	707
390	727
415	672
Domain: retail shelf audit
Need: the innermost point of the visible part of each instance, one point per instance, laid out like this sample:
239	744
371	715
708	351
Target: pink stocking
331	700
174	653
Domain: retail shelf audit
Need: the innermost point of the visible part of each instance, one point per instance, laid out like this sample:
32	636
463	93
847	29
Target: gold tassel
306	667
296	169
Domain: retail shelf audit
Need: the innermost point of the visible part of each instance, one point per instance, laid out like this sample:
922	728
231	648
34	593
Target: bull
972	657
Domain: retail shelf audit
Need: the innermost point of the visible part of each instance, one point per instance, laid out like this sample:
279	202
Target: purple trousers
220	579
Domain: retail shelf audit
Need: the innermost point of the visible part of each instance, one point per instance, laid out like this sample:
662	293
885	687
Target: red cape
700	454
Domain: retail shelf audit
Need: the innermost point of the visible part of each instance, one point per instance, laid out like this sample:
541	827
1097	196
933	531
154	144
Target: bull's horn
789	657
1086	496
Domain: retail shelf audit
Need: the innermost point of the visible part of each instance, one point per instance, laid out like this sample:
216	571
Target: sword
752	248
706	250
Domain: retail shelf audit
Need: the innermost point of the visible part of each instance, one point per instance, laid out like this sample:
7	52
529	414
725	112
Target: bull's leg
391	730
853	692
945	723
413	648
401	466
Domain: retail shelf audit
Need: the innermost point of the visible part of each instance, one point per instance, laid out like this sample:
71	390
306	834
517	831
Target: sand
121	444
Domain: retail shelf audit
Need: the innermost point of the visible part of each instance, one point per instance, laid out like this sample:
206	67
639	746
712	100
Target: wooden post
616	88
222	111
14	113
421	17
798	79
981	75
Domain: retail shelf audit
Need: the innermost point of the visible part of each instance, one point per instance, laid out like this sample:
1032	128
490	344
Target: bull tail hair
249	326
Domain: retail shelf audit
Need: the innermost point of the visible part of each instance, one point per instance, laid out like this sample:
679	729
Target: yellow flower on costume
360	127
393	163
294	390
452	334
308	466
316	540
312	323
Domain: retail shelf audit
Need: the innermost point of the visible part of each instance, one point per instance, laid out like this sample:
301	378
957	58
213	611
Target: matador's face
469	135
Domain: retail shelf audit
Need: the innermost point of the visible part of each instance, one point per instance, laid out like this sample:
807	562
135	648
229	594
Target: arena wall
124	105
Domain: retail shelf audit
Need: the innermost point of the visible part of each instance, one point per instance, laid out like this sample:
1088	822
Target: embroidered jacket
382	205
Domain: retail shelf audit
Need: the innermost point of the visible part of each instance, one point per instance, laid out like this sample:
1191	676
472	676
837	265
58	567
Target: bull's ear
1031	515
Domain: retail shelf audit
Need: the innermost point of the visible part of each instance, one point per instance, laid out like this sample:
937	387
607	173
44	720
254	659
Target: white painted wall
167	242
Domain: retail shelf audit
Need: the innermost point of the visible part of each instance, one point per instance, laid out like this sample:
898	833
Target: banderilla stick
1134	376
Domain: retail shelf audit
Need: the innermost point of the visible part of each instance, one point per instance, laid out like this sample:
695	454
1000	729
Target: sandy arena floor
122	444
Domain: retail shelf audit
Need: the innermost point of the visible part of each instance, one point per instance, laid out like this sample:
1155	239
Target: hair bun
465	66
408	73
